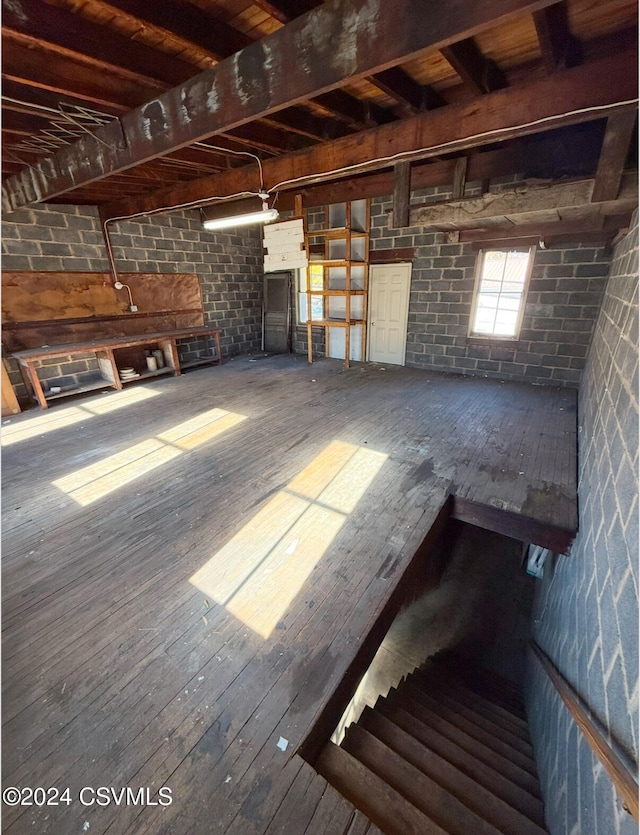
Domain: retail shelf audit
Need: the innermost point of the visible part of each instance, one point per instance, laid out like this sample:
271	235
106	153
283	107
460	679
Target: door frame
372	270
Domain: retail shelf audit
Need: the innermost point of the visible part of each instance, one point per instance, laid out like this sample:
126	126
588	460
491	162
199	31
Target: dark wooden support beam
479	73
401	194
574	96
615	146
459	178
497	163
512	524
558	46
263	78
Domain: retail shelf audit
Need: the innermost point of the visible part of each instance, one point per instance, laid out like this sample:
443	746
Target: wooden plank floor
191	565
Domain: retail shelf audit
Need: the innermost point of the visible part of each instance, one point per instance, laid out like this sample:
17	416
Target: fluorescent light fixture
263	216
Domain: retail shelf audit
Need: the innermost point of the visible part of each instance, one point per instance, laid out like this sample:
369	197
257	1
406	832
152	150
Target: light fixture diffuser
262	216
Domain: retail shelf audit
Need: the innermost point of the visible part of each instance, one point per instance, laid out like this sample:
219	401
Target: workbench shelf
112	354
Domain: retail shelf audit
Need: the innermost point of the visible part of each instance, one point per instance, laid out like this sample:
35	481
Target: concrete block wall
228	264
586	611
564	296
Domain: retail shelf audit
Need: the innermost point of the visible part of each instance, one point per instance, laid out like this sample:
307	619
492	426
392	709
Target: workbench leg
216	336
33	382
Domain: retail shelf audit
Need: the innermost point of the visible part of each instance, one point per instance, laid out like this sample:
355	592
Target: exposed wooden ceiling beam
98	87
299	61
188	22
396	83
570	97
95	87
459	178
536	156
25	98
300	121
401	194
615	147
270	137
354	112
479	73
48	25
515	158
558	46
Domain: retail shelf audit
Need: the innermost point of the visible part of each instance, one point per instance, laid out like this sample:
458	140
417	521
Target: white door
389	287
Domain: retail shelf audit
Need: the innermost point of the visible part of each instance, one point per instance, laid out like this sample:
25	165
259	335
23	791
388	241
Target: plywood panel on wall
41	308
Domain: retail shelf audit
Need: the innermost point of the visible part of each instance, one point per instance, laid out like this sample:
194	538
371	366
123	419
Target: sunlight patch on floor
59	417
88	484
259	572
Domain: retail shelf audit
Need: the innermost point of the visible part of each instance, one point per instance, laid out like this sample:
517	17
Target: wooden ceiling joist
558	46
313	54
479	73
571	97
62	75
396	83
189	23
532	155
45	23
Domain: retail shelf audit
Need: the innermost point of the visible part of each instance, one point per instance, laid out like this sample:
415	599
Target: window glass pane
500	292
317	308
316	277
302	307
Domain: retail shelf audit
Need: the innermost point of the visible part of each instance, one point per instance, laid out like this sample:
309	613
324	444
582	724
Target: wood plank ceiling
134	105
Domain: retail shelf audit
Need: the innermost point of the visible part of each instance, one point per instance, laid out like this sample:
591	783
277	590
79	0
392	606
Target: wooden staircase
446	752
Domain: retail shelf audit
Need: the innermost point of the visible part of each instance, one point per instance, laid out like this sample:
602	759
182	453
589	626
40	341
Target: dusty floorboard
305	491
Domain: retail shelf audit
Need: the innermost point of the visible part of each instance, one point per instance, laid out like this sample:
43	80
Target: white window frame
523	297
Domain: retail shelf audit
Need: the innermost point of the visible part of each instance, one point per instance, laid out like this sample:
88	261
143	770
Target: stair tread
494	798
484	681
436	675
382	804
490	738
488	755
416	787
472	708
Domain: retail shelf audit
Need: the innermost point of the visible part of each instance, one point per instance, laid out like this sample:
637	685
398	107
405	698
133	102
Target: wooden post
459	178
401	194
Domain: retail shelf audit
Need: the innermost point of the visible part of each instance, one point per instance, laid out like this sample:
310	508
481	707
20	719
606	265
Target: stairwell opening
477	603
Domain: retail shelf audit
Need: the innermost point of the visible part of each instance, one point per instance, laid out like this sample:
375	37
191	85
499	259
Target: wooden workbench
104	350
